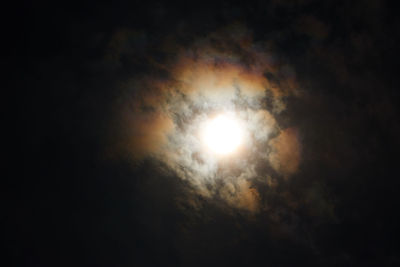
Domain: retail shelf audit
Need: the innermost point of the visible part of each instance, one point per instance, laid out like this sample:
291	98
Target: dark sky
69	203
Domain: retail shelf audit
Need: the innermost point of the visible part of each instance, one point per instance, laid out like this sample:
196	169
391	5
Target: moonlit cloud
163	118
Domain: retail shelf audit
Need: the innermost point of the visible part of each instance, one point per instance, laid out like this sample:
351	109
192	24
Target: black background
67	206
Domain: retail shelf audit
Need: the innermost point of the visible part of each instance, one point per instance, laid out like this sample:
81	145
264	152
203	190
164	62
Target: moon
222	134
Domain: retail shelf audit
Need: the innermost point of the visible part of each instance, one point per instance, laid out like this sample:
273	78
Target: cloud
285	155
240	194
312	27
161	116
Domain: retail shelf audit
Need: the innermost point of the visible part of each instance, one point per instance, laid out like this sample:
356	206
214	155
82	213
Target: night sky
110	98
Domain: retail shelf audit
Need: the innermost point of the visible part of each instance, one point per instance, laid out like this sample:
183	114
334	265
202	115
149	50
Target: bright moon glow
222	135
